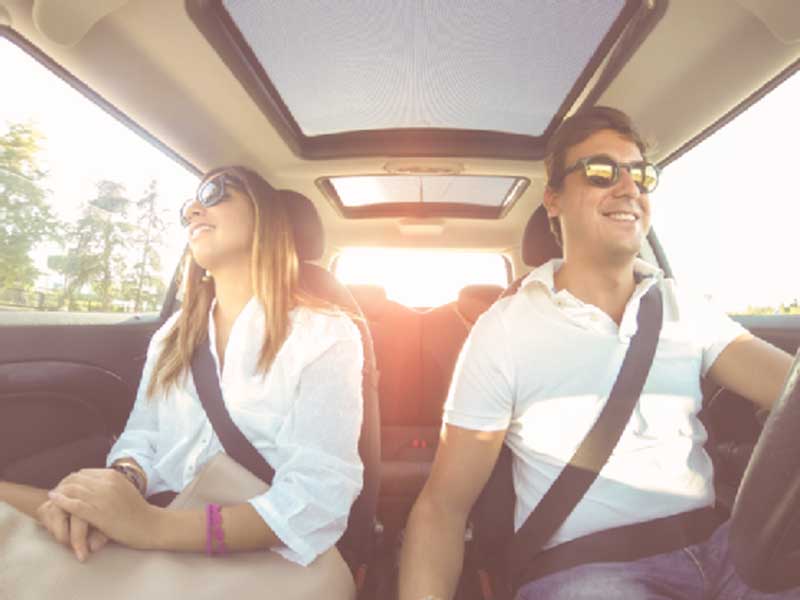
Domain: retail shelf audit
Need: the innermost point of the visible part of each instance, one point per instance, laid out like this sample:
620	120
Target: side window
88	208
727	211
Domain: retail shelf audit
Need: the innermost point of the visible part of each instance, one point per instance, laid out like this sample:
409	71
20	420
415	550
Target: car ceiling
148	59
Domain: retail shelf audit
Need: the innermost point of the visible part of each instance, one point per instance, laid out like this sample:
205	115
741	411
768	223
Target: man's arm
752	368
433	550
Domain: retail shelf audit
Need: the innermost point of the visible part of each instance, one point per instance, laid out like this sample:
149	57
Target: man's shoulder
513	312
500	310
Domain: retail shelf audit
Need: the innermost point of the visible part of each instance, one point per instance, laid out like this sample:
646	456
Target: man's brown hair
576	129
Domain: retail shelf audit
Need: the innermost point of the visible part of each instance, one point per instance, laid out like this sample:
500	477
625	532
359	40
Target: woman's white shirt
304	416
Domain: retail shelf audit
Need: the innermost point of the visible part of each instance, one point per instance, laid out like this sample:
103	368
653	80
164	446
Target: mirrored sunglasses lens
600	173
646	177
650	178
210	192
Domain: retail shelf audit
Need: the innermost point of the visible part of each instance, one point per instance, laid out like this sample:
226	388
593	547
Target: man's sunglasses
603	171
210	193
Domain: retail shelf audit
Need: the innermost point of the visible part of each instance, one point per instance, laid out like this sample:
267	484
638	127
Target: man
538	368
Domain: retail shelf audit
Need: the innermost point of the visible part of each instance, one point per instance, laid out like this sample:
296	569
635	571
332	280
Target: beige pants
34	566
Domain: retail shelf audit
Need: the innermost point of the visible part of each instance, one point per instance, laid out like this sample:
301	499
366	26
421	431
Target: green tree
145	288
96	248
111	207
25	217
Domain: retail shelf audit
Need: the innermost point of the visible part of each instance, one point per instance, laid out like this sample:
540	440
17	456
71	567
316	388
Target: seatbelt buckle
485	581
360	577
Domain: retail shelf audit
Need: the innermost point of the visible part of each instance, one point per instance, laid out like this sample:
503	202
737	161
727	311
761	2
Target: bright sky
726	213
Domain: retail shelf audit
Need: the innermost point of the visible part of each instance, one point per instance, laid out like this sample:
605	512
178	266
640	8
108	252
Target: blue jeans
701	572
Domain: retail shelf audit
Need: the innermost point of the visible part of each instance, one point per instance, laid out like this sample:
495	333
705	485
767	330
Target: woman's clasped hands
91	506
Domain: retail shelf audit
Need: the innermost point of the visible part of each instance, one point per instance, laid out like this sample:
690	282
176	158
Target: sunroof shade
380	64
399	189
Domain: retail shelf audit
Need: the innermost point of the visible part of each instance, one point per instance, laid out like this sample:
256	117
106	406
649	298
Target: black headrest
473	300
538	242
309	237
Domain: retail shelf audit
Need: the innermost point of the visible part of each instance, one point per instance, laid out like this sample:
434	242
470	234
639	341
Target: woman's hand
106	500
70	530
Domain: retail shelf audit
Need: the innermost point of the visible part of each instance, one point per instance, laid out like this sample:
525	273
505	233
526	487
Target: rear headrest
473	300
538	242
369	297
309	238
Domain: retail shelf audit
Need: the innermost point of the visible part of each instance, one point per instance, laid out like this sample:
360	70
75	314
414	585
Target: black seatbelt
236	445
588	460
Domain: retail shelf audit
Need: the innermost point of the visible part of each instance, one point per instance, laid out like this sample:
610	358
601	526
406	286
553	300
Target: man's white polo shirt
542	363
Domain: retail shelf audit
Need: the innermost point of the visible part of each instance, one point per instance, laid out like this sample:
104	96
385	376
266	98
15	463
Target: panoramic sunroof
427	195
470	78
371	65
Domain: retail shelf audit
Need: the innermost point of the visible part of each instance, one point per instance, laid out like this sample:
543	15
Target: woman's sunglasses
210	193
603	171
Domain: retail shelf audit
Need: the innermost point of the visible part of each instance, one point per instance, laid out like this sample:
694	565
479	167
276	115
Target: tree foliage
111	253
144	287
96	246
25	217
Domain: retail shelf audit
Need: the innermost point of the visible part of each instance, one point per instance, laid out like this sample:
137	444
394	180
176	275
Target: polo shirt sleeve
714	329
481	395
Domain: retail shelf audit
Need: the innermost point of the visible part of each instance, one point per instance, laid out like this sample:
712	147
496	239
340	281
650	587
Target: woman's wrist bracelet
215	535
131	474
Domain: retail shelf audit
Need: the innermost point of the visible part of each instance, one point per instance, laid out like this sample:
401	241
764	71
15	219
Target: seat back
396	333
416	352
444	331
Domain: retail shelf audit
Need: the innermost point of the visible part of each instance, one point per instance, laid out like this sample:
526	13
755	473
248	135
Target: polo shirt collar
544	275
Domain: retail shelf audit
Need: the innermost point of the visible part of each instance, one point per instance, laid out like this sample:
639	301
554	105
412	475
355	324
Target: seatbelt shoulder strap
587	462
236	445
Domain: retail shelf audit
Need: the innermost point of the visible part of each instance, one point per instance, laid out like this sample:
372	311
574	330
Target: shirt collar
545	274
251	305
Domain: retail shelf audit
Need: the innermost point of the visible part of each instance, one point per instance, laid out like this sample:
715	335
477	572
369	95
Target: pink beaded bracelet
215	535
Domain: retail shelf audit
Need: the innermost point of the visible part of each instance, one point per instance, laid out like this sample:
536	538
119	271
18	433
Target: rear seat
416	352
444	330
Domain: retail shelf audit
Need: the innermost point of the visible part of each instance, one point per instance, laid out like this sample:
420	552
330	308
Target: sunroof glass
435	189
380	64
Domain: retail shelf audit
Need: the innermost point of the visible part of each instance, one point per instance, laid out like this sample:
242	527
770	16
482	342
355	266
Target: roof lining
645	20
732	113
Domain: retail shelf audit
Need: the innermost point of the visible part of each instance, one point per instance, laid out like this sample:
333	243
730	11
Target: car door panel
65	391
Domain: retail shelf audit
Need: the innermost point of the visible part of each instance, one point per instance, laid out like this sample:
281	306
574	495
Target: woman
290	372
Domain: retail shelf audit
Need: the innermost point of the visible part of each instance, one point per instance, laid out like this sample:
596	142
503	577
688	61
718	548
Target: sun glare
420	278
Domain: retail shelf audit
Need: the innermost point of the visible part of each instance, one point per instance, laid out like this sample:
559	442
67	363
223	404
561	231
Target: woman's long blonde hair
274	275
